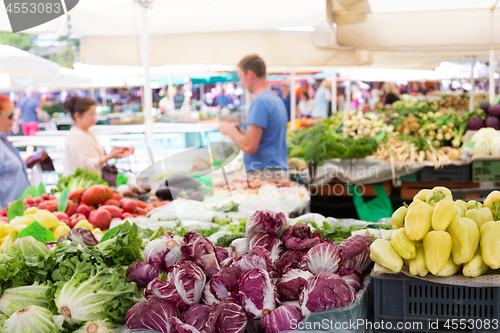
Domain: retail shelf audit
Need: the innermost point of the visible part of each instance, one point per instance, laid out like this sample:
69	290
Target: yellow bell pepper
6	229
473	204
418	221
480	216
417	264
61	231
465	239
31	211
2	230
444	212
437	194
84	224
492	202
403	246
16	230
421	195
476	266
25	219
449	269
490	246
415	203
383	254
46	218
437	250
398	218
97	231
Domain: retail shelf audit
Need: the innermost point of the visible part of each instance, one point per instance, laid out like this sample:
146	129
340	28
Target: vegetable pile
81	179
265	280
438	235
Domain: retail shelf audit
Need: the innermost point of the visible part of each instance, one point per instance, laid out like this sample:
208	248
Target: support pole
473	83
104	97
92	93
492	76
147	98
348	90
171	92
202	93
293	100
334	90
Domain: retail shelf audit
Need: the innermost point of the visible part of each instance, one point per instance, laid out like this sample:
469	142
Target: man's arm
247	141
41	115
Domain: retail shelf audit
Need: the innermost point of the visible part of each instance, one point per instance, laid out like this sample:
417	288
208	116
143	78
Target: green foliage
19	40
80	179
56	107
226	240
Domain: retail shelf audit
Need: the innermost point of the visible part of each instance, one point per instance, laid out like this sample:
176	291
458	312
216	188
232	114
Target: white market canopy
14	61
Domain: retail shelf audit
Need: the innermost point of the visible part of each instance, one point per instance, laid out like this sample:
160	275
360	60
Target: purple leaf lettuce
289	260
290	285
181	327
268	242
82	236
352	277
238	247
152	314
257	293
284	318
199	249
197	316
221	253
142	273
257	258
356	253
300	237
324	257
208	297
266	221
164	251
223	283
227	317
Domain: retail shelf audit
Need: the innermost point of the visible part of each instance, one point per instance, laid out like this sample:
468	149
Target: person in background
13	172
82	150
306	105
264	141
164	104
29	110
391	93
322	100
285	96
222	100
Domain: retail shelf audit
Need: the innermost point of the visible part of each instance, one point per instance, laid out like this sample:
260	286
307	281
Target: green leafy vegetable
80	179
226	240
41	188
31	192
62	204
16	209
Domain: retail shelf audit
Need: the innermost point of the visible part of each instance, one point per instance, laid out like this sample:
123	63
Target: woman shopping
13	172
82	150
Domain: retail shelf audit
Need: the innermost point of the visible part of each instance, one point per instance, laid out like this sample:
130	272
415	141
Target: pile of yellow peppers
438	235
45	218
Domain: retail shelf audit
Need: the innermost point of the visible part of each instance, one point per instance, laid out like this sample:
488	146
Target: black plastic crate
486	171
449	173
433	306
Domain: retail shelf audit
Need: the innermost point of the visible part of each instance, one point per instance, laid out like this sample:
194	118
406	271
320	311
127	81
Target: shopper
306	105
264	141
285	96
13	171
391	93
322	100
31	110
82	150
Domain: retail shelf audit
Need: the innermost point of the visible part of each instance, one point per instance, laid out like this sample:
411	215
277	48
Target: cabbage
33	319
15	299
266	221
257	293
482	146
227	317
221	253
355	252
352	277
196	316
238	247
223	283
201	251
257	258
164	251
183	288
495	146
487	133
208	297
181	327
142	273
323	292
268	242
95	292
290	285
300	237
98	326
284	318
324	257
152	314
82	236
289	260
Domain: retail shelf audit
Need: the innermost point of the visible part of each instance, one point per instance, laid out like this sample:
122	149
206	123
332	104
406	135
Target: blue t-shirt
268	111
28	106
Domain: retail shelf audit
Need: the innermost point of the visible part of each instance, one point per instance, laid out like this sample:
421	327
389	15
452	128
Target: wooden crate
337	188
410	189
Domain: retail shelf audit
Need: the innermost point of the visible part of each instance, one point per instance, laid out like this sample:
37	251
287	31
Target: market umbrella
17	62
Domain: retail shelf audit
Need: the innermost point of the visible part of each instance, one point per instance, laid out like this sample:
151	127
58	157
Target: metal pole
202	93
492	76
171	92
104	97
147	98
293	100
92	93
334	90
473	83
348	90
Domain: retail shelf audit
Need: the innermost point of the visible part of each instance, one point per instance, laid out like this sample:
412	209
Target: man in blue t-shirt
264	141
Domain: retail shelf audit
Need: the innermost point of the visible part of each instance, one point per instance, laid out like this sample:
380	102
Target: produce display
437	235
486	142
446	101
